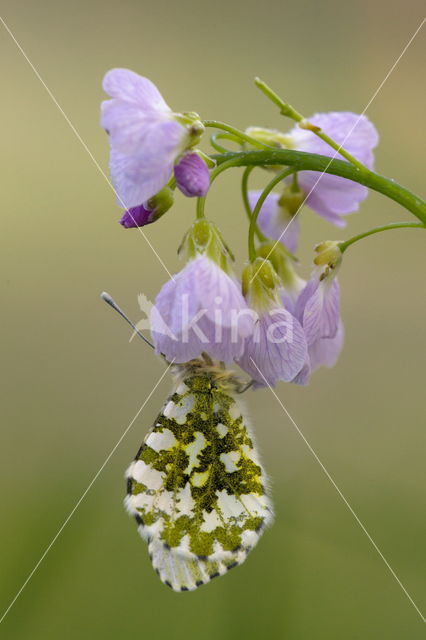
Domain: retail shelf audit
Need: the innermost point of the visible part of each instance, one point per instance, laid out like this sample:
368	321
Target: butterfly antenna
105	296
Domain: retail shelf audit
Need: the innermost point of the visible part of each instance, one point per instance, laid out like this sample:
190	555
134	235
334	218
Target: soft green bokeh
72	382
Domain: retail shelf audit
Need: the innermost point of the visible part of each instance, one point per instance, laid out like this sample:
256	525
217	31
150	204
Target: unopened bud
329	253
149	211
291	199
271	137
192	176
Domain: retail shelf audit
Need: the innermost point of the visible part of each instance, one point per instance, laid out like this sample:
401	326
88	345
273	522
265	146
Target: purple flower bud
149	211
136	217
192	176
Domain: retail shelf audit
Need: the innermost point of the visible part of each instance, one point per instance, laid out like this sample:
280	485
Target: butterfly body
196	487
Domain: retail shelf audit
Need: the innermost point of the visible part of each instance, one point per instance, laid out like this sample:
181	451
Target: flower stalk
289	111
386	227
300	161
253	221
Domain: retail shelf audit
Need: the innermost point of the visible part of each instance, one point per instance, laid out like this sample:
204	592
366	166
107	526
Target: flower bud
291	200
150	211
192	176
271	137
329	255
282	263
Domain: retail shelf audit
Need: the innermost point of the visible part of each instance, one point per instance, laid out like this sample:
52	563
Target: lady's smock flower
332	196
318	310
146	137
202	307
329	196
276	350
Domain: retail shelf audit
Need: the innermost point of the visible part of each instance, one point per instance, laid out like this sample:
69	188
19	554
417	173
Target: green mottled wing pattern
196	487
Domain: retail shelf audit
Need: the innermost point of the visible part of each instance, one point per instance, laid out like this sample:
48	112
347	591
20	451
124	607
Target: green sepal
329	256
160	203
204	238
291	199
282	261
261	284
194	127
271	137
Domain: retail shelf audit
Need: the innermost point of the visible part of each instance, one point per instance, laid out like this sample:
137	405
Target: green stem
285	108
219	169
393	225
199	211
302	161
223	136
289	111
335	145
236	132
244	190
253	221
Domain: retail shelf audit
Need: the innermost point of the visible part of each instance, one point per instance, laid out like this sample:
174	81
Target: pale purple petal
326	351
304	374
333	196
318	309
131	87
354	132
129	127
138	177
136	217
192	176
201	307
277	349
290	294
216	291
275	222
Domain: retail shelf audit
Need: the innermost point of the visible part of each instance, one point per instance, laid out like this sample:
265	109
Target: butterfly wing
196	487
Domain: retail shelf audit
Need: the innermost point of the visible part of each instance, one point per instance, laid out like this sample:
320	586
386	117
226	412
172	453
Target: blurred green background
72	382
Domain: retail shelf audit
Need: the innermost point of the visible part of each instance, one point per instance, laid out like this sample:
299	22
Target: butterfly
196	488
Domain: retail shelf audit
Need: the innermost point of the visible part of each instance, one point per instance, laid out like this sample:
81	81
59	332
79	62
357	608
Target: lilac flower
192	176
325	351
289	294
200	309
318	310
275	221
276	349
332	196
146	137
